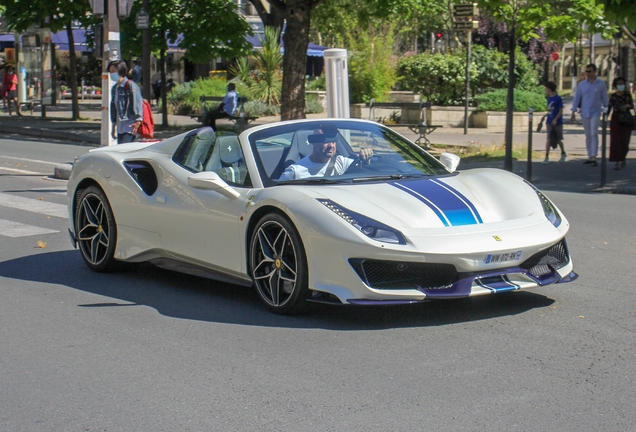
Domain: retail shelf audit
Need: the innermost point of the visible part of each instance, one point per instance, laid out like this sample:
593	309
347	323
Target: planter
496	120
449	116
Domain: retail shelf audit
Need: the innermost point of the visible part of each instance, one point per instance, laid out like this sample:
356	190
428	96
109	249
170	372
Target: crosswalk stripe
33	205
16	229
15	170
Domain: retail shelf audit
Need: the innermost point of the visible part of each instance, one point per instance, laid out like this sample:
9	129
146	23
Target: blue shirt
592	96
555	104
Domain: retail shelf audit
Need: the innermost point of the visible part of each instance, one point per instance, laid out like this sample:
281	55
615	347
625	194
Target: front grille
404	275
542	263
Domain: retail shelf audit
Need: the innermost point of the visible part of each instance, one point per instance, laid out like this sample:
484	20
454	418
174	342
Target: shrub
496	101
441	78
185	99
318	83
313	105
258	108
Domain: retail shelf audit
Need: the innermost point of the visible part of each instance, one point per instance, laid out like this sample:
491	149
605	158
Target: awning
312	50
60	39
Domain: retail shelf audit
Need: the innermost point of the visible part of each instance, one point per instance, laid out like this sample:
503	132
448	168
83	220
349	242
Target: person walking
620	132
554	122
126	104
591	97
10	89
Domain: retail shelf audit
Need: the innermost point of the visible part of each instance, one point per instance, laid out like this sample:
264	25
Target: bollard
529	163
604	148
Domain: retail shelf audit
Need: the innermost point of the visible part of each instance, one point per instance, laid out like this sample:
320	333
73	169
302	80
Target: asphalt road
150	350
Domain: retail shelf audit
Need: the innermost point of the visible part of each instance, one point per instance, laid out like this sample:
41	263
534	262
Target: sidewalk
571	176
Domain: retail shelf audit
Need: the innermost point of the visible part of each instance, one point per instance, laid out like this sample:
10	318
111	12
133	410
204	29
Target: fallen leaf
552	307
41	244
48	217
581	316
41	199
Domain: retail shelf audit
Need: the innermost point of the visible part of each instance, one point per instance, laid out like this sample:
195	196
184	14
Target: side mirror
450	161
208	180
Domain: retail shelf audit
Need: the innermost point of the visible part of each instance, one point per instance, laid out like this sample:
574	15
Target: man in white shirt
323	161
225	108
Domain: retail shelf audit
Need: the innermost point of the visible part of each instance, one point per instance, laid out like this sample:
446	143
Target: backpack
147	128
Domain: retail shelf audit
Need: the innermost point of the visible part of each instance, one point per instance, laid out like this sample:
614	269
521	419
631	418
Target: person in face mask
225	108
620	132
126	104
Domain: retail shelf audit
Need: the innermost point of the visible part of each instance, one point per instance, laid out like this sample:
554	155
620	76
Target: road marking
51	191
33	205
20	171
16	229
31	160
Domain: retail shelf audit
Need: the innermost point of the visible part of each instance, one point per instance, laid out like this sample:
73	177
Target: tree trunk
296	40
164	99
73	71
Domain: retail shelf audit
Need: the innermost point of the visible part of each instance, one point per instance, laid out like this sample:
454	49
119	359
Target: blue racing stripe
448	204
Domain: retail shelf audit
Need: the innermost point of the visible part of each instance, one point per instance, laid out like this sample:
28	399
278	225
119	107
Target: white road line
33	205
16	229
15	170
31	160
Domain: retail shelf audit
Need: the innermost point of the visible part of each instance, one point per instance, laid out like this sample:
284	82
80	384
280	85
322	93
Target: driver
323	161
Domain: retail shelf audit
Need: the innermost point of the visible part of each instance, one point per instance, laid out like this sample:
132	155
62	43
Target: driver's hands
365	155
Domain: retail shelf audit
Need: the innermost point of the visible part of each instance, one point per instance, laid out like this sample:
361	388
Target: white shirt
305	168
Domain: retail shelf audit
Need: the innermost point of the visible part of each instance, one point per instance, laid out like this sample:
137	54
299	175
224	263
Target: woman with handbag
622	121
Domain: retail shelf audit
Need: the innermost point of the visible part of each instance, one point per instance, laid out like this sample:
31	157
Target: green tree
560	20
623	13
208	29
56	15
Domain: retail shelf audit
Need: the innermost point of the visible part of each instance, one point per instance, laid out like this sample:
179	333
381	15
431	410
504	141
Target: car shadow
193	298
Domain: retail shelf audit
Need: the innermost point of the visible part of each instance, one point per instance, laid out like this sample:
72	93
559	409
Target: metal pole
604	149
468	43
529	163
146	73
111	52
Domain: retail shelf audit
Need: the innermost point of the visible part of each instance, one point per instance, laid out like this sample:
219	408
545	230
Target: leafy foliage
496	100
439	78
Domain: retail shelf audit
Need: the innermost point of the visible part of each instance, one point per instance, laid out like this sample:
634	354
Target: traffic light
439	36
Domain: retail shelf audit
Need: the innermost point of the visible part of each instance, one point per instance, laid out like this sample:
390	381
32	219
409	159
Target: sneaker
588	161
563	156
546	161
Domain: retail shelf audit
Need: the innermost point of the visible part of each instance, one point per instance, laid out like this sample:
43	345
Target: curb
63	171
88	140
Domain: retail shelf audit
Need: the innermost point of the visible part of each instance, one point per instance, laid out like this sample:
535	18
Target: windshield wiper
387	177
321	180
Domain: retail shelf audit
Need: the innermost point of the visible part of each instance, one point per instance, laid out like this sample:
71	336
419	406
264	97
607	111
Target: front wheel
278	265
95	229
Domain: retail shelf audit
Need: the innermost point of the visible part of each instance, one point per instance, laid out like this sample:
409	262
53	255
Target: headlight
367	226
549	209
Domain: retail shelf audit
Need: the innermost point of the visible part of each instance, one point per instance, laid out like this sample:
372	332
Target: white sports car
381	222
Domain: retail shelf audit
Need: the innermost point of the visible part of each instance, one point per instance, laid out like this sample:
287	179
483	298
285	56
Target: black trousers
212	116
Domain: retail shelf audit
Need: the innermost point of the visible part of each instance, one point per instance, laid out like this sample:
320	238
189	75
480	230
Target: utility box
337	79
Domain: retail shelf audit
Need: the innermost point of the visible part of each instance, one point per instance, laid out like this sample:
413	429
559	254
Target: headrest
229	149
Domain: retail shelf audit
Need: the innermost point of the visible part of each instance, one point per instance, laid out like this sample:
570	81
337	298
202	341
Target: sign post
466	11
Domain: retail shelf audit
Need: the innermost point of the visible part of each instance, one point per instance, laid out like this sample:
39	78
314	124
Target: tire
95	229
278	265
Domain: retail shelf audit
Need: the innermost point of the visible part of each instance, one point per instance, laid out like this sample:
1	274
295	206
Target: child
554	122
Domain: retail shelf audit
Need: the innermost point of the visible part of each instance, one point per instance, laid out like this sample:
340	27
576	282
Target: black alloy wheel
278	265
95	229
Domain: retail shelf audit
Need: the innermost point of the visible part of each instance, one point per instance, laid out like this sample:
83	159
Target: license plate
502	257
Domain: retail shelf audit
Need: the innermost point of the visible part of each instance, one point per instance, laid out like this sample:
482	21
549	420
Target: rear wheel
278	265
95	229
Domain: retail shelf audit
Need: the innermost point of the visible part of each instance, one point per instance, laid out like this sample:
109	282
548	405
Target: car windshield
338	151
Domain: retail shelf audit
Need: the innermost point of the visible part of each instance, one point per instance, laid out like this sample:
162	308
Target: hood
469	198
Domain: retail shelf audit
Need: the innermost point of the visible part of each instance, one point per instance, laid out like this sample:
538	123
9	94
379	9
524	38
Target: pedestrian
126	104
2	72
10	89
225	108
136	73
620	132
554	122
590	99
